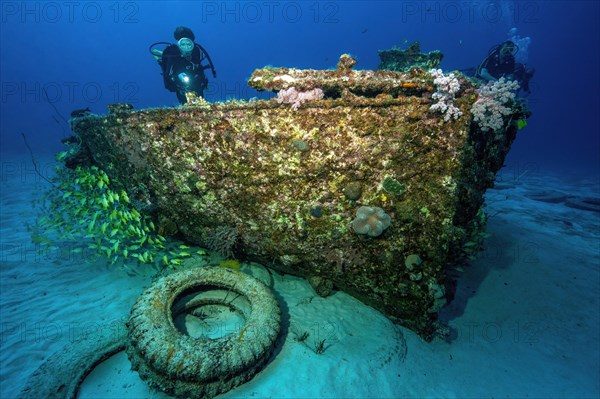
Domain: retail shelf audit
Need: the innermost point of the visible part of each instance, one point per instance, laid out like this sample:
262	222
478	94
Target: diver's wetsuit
498	66
173	64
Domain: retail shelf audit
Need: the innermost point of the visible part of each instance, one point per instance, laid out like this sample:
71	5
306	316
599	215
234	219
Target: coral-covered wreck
371	182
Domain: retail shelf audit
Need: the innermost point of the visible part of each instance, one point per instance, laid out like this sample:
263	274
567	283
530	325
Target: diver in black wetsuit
181	64
500	62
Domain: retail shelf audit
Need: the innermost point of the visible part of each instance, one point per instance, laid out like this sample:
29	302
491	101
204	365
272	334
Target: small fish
70	140
460	42
365	30
78	113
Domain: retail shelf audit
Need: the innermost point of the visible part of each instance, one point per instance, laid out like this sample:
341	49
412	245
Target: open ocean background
90	54
526	316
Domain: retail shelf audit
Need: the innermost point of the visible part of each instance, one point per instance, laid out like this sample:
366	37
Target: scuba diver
181	64
500	62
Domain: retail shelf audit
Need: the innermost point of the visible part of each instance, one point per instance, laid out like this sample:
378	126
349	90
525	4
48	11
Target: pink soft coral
297	98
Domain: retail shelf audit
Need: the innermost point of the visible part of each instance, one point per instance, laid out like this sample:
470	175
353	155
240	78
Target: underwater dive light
184	78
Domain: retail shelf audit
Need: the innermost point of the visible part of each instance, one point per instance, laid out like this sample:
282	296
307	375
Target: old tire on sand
201	367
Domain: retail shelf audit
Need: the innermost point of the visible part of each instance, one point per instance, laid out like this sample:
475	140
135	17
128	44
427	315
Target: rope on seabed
34	161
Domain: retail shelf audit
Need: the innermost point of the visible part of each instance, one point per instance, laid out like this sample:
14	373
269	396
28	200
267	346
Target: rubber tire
61	375
183	366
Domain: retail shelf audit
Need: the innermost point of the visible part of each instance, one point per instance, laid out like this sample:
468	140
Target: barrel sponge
370	220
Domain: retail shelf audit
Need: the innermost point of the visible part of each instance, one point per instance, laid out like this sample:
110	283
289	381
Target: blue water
95	53
59	56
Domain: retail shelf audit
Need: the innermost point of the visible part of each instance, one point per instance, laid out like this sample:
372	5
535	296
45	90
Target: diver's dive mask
185	46
508	48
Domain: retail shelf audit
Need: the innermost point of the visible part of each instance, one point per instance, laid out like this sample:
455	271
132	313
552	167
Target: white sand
525	321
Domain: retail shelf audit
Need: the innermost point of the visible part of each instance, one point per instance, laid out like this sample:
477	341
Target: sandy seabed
524	323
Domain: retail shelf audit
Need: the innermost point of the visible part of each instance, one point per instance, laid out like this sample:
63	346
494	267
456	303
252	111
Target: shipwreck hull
281	185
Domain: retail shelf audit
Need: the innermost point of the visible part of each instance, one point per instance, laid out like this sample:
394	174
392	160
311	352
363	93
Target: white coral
493	103
447	87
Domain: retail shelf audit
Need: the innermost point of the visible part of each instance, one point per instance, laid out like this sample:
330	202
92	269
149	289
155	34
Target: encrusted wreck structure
397	59
370	182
